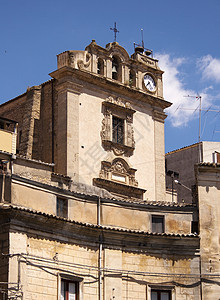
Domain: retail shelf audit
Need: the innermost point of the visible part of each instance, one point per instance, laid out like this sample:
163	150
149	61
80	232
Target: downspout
3	187
200	270
100	248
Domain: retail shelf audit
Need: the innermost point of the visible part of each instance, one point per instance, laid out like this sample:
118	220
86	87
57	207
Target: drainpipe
200	271
100	248
3	187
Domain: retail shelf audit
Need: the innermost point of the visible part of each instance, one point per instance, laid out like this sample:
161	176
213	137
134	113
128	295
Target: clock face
149	83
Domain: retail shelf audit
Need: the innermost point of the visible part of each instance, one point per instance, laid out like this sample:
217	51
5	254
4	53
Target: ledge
119	188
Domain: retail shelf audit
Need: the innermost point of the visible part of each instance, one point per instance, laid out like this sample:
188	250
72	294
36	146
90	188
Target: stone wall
127	274
208	180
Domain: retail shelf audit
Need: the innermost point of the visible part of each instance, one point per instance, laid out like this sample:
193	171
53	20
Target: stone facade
83	208
208	182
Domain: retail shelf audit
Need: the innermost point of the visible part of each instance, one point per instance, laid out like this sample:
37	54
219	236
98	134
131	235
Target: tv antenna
200	109
115	31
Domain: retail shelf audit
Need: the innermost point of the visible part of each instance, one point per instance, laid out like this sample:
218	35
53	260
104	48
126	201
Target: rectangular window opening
62	207
69	290
158	224
160	295
117	130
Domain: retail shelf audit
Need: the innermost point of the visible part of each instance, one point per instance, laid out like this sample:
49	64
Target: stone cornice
119	188
109	85
159	115
68	86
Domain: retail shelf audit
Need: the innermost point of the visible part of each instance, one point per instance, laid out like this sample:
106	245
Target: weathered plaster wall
208	178
127	274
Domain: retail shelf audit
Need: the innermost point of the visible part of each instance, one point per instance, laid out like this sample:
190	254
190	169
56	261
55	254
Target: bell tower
110	120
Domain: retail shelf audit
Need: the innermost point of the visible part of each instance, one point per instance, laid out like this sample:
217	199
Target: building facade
84	209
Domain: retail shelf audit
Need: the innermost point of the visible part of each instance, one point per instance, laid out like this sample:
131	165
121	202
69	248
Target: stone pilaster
113	284
159	155
68	129
31	114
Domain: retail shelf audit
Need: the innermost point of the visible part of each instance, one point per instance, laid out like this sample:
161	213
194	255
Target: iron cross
115	31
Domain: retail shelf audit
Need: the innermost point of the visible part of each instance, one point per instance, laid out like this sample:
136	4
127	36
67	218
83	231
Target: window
62	207
158	224
69	290
195	227
117	130
216	157
160	295
3	165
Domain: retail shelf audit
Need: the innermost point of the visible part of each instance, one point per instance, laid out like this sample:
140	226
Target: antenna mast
200	109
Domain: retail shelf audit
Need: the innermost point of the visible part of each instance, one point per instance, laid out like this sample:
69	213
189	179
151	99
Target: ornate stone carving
119	178
84	64
123	110
118	101
106	126
118	167
147	61
71	60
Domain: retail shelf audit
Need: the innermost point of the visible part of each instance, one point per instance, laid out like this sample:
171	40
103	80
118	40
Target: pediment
114	49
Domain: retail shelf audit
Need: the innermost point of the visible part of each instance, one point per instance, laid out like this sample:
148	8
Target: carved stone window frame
123	110
119	178
118	170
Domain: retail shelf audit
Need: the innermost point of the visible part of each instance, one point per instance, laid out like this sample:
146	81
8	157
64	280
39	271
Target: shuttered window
69	290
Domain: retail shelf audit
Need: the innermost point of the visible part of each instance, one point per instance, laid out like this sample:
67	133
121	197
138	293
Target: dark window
62	207
100	67
132	81
3	166
160	295
195	227
158	224
115	67
117	130
69	290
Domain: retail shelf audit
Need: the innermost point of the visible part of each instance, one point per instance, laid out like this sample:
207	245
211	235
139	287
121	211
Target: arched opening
115	68
132	78
100	66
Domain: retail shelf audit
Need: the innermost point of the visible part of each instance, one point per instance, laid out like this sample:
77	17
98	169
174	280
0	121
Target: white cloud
184	108
210	67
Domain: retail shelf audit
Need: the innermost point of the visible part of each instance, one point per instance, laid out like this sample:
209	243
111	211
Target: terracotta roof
154	203
208	164
89	192
5	206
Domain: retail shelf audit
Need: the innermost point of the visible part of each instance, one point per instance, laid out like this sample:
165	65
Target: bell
114	70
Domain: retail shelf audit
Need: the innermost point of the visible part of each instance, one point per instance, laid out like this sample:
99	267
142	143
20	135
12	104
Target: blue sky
184	35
